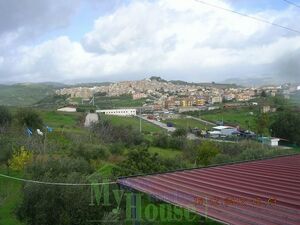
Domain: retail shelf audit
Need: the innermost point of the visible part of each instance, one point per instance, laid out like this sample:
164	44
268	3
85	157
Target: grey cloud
288	67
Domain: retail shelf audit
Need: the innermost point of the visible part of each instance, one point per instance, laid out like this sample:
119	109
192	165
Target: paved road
90	119
157	123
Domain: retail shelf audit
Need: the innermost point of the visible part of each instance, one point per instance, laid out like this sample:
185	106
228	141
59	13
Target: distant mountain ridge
25	94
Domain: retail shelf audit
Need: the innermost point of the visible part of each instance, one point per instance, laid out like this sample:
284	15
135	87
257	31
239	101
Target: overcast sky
109	40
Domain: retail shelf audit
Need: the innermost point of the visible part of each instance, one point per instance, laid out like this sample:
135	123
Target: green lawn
68	122
10	196
188	123
233	117
135	122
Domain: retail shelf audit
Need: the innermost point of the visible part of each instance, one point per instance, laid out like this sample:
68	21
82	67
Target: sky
75	41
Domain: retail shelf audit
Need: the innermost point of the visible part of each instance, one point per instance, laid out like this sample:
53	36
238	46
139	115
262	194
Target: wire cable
54	183
292	3
248	16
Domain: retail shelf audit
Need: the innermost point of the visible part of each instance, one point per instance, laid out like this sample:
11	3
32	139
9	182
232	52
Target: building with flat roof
225	130
67	109
118	112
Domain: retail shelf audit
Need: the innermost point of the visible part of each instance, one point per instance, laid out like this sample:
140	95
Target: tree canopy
286	125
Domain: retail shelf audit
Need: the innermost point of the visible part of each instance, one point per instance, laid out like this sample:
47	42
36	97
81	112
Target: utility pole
140	120
45	139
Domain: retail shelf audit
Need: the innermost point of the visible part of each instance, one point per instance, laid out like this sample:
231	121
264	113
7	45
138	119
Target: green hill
24	94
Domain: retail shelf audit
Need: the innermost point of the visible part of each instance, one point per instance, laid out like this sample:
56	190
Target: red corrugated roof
258	192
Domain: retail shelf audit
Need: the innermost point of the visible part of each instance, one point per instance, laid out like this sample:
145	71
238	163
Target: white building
67	109
274	142
216	99
118	112
225	130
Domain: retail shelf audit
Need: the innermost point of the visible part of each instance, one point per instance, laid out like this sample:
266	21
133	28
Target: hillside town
160	94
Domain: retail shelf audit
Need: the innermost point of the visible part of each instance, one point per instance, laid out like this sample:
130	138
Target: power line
292	3
248	16
53	183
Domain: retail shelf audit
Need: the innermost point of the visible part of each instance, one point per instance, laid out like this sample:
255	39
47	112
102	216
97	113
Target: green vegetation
52	101
57	119
134	122
29	118
206	152
10	197
24	94
286	125
5	118
242	117
166	153
188	123
295	99
113	147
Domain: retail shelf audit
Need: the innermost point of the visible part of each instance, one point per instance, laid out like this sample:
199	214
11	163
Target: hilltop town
160	94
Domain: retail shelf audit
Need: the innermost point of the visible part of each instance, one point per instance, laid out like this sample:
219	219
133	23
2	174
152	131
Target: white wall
67	109
118	112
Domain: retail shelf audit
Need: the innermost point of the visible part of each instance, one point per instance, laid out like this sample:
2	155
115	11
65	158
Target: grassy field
10	196
135	122
188	123
62	120
233	117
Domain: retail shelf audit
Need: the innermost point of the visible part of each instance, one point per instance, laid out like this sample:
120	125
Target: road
157	123
90	119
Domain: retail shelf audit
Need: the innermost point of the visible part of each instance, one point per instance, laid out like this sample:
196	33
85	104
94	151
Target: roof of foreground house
258	192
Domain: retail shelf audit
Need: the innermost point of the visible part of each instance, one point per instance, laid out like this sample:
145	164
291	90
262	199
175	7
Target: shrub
29	118
20	159
5	118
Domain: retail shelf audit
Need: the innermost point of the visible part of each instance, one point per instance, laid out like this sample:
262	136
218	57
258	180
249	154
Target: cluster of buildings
160	95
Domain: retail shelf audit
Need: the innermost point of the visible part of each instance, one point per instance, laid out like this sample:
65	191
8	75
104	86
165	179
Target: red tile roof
258	192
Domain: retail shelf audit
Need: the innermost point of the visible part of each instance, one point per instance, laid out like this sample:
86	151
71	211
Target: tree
262	124
286	125
180	132
140	161
6	152
29	118
263	94
206	152
55	204
5	119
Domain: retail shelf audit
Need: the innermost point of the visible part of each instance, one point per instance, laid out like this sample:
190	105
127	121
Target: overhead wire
55	183
292	3
262	20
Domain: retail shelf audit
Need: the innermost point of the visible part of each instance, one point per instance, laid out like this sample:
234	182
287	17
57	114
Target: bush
161	140
206	152
113	134
29	118
90	152
54	167
180	132
117	148
20	159
5	119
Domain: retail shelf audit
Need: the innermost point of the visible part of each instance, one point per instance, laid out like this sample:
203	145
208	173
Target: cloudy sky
108	40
